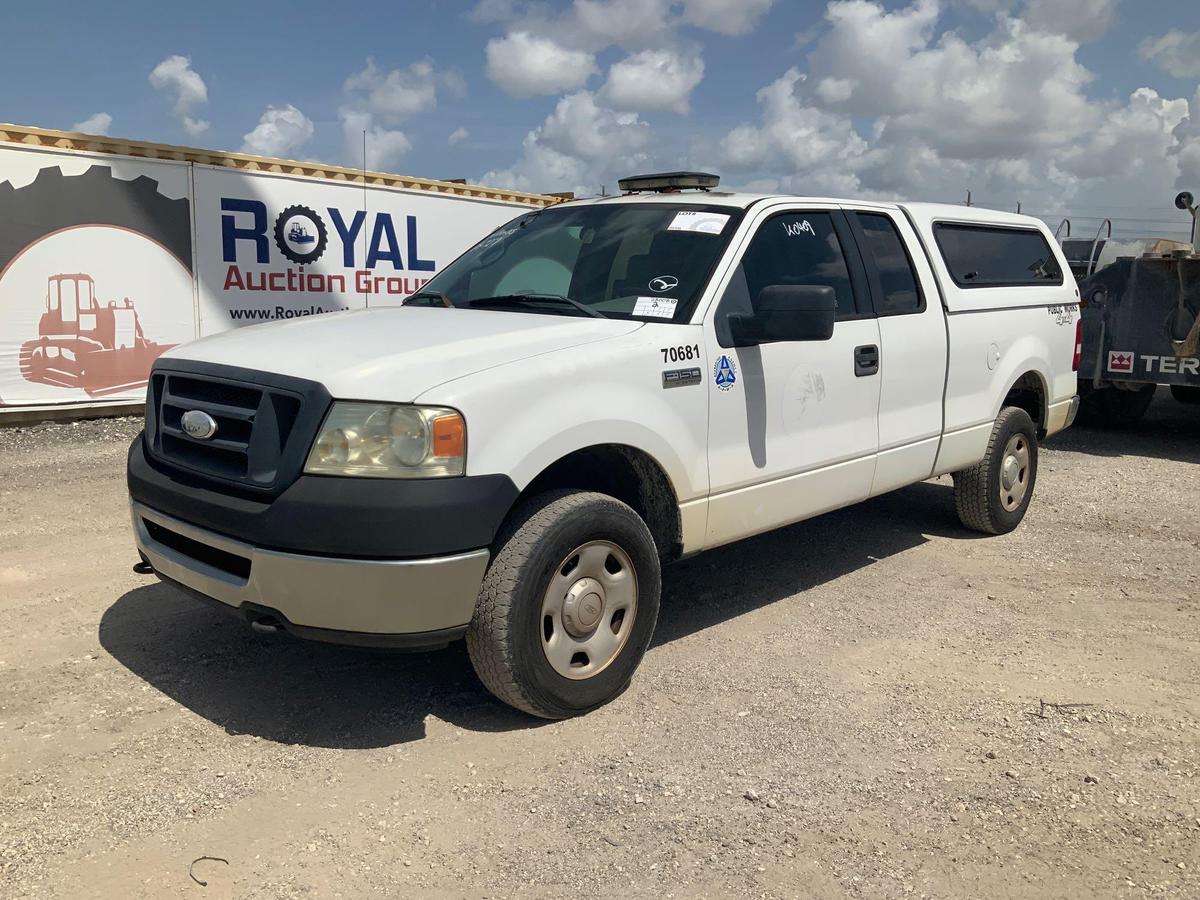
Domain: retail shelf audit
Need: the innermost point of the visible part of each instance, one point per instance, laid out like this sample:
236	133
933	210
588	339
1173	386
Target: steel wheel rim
1014	472
588	610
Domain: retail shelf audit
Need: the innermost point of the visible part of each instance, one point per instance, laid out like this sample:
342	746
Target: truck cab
592	391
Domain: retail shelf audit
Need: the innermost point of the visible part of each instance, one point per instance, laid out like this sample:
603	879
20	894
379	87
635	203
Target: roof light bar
666	182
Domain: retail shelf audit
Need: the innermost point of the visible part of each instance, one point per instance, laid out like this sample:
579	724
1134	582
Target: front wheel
993	495
568	605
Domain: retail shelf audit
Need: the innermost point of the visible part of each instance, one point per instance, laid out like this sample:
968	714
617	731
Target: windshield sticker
700	222
655	307
795	229
496	237
725	374
663	283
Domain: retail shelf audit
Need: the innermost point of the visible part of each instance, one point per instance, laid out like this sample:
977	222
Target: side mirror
1184	200
786	312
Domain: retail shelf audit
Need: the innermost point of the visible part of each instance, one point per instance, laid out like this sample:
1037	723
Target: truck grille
265	422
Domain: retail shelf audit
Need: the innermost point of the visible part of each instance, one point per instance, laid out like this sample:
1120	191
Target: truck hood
396	354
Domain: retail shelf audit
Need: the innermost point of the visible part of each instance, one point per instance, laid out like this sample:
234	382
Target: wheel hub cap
583	607
588	610
1014	473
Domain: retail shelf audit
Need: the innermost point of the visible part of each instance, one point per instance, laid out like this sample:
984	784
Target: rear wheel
993	495
1185	393
568	605
1115	407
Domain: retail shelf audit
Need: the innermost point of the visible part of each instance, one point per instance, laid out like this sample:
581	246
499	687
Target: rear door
912	335
792	425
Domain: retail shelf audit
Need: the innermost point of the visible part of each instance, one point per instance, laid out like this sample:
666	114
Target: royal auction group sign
108	261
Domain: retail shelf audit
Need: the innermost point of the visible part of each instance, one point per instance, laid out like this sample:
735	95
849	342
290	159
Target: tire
1185	393
981	494
509	633
1113	407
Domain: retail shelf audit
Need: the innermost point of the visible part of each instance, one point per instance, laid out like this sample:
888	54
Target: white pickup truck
593	390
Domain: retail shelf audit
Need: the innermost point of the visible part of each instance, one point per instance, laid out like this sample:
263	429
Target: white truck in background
594	390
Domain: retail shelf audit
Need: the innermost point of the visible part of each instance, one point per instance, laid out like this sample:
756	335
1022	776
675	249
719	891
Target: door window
791	248
894	282
798	248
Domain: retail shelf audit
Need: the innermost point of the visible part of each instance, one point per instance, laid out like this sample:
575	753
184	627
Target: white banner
108	261
273	247
95	274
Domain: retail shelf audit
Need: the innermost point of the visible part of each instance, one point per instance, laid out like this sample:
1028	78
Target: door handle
866	360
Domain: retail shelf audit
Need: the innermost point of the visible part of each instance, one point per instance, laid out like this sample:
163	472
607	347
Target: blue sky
548	111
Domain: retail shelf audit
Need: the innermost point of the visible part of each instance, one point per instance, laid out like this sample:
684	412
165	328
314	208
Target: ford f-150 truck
594	390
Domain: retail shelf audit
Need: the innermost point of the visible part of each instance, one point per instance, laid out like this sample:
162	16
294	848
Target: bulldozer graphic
82	344
298	234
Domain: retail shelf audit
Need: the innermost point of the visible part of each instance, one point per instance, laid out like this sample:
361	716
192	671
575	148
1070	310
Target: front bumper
319	515
377	602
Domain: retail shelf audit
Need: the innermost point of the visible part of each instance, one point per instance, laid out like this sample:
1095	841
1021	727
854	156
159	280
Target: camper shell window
993	256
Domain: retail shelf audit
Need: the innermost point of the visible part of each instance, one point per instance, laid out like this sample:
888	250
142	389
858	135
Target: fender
979	381
524	416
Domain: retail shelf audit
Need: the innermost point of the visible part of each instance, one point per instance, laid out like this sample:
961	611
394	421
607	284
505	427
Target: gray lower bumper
1060	415
357	596
1073	412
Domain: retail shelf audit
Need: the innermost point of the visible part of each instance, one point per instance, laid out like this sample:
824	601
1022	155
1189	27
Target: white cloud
526	65
1080	20
176	78
1133	139
580	146
281	131
376	102
581	127
1176	53
653	80
98	123
384	147
896	105
630	23
835	90
457	136
394	96
592	25
796	141
729	17
887	101
1187	148
998	96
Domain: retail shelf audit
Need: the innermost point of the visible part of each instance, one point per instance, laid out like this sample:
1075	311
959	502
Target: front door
793	426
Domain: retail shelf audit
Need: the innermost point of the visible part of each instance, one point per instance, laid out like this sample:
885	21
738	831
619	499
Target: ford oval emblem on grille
198	424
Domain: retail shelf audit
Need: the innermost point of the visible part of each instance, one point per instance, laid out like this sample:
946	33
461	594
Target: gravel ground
849	707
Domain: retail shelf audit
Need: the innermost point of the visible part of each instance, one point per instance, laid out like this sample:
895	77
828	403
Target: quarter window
986	256
897	290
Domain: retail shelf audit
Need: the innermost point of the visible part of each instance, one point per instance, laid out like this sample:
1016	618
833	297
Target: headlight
382	440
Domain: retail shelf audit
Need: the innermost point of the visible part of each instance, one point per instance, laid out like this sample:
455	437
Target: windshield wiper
516	299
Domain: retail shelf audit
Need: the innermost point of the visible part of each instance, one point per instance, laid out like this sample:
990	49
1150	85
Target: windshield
622	260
